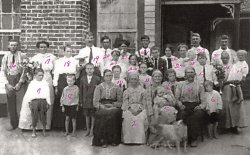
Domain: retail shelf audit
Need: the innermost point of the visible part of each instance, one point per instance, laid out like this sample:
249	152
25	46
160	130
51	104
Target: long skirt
134	128
107	128
25	121
58	115
193	118
234	114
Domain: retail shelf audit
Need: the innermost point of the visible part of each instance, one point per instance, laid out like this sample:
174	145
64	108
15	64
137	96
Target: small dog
176	132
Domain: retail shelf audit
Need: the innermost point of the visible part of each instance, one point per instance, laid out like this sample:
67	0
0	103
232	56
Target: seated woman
108	117
190	99
135	105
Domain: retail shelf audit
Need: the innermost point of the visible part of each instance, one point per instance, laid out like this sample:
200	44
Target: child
238	74
38	97
87	86
171	83
69	103
213	108
121	82
164	104
145	79
205	71
169	57
133	64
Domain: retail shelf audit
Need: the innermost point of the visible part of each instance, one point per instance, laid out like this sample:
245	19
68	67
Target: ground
20	143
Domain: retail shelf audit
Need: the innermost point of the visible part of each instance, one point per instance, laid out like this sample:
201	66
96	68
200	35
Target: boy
69	103
87	87
205	71
38	97
213	108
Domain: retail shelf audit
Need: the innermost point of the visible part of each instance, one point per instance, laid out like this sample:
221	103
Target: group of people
122	94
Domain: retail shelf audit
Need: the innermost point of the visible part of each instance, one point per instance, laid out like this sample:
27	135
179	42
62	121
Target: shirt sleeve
4	69
56	73
125	104
208	56
245	70
97	97
119	96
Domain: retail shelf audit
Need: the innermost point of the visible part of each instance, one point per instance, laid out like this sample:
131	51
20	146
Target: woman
124	58
46	61
190	99
136	105
169	57
107	100
133	64
63	66
115	61
180	64
233	111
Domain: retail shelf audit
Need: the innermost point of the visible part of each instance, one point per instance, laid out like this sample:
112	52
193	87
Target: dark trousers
194	119
38	108
12	100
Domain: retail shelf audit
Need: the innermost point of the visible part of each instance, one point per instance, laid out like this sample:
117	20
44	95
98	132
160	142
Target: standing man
158	62
11	67
196	49
216	55
91	54
144	53
106	49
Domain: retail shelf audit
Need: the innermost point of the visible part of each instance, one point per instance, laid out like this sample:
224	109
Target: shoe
114	144
235	130
104	145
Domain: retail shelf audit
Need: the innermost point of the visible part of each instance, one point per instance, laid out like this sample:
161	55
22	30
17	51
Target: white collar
224	50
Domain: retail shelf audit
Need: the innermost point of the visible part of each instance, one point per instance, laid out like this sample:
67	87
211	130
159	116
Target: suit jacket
162	66
86	90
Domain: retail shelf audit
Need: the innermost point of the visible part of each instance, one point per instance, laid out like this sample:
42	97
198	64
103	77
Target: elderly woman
135	108
190	99
45	61
108	117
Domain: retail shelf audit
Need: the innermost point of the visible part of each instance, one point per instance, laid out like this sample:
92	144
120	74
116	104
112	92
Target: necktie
145	52
90	55
13	59
105	52
156	63
169	63
204	73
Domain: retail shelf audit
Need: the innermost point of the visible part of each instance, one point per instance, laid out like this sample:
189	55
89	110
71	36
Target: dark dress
108	122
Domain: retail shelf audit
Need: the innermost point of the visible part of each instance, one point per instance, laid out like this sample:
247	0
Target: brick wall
60	22
149	20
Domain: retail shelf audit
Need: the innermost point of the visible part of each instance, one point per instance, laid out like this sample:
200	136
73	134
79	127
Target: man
157	62
196	49
145	50
91	54
106	49
11	67
216	55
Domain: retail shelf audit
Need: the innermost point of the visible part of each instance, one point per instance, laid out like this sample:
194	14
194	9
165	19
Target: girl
169	57
213	108
121	82
171	83
132	64
63	66
38	97
179	64
69	103
145	79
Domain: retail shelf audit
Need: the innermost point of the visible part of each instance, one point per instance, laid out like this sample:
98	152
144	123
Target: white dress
46	62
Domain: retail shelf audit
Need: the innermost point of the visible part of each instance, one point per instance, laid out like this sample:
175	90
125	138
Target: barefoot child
214	106
38	97
87	87
69	103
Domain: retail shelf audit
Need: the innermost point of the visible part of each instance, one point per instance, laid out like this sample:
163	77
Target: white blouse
239	70
64	66
45	61
209	73
37	90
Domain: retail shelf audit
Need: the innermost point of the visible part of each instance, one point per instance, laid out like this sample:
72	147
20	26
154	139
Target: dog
176	132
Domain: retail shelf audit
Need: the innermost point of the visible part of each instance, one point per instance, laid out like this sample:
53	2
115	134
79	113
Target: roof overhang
176	2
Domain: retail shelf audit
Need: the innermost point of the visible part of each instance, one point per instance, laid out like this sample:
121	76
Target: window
10	22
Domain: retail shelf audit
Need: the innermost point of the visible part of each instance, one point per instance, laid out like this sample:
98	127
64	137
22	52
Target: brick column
60	22
149	19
